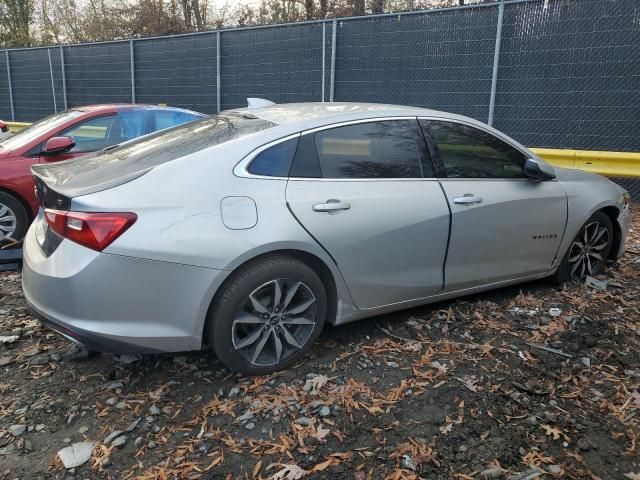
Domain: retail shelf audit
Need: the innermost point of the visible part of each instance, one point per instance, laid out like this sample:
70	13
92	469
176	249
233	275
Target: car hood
571	174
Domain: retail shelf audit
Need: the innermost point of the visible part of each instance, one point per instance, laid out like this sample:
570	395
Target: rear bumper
89	340
118	304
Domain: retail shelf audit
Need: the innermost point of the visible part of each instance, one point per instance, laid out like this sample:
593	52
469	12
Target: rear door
366	192
504	226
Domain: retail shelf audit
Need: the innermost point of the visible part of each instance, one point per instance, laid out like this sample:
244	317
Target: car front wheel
268	315
589	251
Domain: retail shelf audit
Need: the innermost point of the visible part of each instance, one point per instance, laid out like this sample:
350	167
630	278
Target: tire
261	336
14	220
577	264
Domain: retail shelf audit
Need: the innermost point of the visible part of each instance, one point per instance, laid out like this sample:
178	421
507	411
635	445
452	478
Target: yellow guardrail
15	127
611	164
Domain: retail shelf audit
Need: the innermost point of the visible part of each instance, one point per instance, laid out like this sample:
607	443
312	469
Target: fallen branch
550	350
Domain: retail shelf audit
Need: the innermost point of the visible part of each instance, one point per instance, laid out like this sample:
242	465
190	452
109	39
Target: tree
358	7
377	6
16	17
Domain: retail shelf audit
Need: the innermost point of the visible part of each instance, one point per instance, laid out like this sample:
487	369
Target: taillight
4	128
95	230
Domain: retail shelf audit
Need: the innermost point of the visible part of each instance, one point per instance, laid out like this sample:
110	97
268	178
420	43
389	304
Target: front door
366	193
504	226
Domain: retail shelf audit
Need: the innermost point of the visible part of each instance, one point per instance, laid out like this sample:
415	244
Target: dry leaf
288	472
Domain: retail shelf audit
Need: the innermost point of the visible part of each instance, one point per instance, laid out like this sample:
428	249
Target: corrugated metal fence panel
177	71
440	60
31	81
569	74
283	64
98	73
5	103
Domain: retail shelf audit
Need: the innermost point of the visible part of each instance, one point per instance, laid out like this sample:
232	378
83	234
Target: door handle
467	199
332	205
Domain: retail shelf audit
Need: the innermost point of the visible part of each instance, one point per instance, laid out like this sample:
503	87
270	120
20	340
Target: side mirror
59	145
539	171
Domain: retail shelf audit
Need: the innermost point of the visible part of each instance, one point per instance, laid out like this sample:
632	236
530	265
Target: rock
152	444
138	442
132	426
586	361
153	410
105	462
584	445
393	365
40	360
112	436
528	474
250	426
126	359
554	469
17	430
407	462
555	312
245	417
303	421
121	405
72	418
492	473
76	352
75	455
40	427
113	386
83	430
8	339
111	401
119	441
324	411
8	449
233	393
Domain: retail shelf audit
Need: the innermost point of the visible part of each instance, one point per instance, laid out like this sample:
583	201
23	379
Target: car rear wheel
13	218
267	316
589	250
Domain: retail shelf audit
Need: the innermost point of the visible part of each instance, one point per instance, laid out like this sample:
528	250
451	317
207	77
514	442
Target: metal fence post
324	54
496	61
13	110
64	78
53	85
333	60
218	63
133	72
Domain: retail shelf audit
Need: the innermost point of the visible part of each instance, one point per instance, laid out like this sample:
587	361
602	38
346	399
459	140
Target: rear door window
384	149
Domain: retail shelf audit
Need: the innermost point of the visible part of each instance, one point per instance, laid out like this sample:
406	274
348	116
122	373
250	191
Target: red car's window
38	129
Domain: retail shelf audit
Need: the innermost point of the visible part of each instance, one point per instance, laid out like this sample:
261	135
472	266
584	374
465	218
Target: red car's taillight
4	128
95	230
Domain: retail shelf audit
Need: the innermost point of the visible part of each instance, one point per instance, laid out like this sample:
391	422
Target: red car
64	136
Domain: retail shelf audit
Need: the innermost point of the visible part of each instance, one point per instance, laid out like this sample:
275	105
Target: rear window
113	166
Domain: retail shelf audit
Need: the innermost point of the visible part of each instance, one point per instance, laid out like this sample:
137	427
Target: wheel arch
613	212
311	260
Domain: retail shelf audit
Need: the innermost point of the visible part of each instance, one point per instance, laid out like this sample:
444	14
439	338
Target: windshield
113	166
39	128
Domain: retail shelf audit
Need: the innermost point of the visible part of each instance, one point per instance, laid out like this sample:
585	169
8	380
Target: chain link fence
550	73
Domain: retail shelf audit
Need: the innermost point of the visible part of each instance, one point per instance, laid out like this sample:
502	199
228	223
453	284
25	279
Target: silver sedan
247	231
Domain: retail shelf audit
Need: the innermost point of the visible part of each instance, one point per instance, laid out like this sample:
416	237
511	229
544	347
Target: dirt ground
521	383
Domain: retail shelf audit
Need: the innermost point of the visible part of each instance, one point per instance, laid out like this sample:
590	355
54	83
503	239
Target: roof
316	114
127	106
